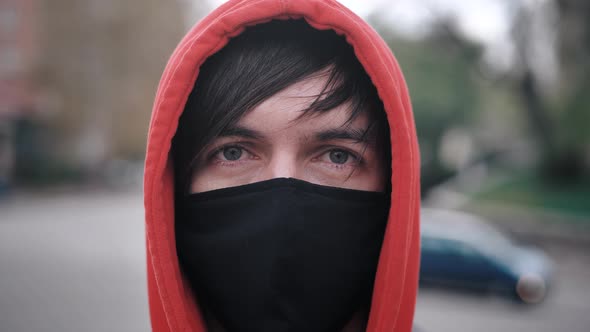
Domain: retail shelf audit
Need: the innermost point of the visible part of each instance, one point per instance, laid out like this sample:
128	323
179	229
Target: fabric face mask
282	254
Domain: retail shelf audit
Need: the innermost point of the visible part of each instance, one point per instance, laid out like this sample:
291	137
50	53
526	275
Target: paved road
567	307
74	261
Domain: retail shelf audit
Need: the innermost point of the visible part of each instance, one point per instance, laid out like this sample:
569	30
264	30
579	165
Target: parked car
462	250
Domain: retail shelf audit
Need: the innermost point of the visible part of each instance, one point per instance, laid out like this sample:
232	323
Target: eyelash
213	154
357	160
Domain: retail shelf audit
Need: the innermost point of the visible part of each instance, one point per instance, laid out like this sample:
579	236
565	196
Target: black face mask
281	255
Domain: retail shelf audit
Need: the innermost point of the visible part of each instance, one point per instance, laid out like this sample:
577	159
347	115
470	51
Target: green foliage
575	118
444	94
508	111
531	190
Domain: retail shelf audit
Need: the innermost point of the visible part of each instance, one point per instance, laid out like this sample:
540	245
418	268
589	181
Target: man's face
274	141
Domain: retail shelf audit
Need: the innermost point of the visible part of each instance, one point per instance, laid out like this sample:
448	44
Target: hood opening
172	306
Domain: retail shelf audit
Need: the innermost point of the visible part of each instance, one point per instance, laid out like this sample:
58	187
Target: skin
274	141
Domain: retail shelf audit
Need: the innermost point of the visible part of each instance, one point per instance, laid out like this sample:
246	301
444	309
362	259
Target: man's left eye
339	156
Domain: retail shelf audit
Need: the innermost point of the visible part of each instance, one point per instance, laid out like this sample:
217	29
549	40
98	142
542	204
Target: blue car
462	250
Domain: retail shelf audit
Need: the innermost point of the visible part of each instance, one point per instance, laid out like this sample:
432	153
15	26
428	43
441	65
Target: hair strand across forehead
257	64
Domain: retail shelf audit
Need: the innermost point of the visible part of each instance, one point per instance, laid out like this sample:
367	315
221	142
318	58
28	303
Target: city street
74	261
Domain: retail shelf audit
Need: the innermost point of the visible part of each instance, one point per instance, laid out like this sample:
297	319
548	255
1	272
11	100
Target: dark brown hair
257	64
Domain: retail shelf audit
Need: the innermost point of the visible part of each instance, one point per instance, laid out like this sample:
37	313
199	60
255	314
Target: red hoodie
172	306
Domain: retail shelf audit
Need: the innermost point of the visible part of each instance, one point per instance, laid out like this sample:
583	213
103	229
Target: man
281	192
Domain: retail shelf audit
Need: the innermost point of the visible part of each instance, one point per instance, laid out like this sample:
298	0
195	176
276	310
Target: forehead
284	110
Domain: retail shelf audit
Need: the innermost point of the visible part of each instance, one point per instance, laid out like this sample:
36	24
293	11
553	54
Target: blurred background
500	96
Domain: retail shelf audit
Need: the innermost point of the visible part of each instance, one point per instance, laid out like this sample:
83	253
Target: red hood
171	304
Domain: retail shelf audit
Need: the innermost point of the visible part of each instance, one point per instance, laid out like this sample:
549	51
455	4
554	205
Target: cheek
373	180
367	178
379	180
215	177
199	185
376	175
206	183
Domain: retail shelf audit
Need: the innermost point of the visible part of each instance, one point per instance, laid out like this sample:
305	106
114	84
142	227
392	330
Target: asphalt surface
74	261
566	308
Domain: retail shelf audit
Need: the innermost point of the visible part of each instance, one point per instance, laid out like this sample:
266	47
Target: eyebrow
356	135
241	132
352	134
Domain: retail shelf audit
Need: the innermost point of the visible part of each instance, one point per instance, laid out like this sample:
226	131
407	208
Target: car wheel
531	288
